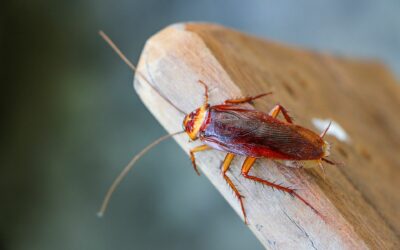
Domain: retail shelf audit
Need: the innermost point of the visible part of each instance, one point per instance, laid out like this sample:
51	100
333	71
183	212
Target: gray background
71	119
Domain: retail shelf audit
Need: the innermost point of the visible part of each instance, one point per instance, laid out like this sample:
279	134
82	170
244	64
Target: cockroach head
194	121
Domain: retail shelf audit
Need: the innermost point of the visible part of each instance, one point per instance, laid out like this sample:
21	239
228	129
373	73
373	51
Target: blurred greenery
71	119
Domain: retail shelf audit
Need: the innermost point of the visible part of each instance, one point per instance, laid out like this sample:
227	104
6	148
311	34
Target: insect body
236	130
254	134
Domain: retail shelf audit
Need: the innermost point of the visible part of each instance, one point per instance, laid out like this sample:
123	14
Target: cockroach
239	131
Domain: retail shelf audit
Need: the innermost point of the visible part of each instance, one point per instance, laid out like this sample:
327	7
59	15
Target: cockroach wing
254	133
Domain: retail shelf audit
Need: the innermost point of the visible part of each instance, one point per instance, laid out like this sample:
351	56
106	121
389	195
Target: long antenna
127	168
134	69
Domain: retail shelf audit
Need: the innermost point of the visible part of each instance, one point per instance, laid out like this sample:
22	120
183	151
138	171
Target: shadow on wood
359	200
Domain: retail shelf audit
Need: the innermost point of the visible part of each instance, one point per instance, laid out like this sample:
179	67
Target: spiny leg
249	162
279	108
225	166
246	99
193	159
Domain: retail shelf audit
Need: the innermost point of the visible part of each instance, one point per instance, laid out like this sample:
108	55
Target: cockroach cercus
239	131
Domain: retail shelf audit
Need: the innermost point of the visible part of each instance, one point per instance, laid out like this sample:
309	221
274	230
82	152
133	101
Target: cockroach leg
249	162
279	108
193	159
225	166
227	162
246	99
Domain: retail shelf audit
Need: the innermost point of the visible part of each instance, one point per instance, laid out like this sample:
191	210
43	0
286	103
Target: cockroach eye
183	125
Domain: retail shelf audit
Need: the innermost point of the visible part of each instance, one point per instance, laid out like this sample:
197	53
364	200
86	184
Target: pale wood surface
360	201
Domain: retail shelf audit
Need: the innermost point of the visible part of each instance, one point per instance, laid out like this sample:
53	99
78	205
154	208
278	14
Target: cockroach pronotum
239	131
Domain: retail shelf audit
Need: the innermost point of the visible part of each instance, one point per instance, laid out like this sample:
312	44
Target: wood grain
360	201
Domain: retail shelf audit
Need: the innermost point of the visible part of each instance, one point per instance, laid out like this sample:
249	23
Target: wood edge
181	28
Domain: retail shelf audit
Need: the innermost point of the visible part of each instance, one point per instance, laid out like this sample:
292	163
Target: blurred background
71	119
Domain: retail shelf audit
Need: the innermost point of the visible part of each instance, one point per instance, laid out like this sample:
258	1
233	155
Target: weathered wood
359	201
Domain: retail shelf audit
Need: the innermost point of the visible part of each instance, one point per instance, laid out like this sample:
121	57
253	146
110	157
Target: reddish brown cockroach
237	130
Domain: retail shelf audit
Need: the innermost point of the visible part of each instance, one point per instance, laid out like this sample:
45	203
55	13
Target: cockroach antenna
134	69
127	168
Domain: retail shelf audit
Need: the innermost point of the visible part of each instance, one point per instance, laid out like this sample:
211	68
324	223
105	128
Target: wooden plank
359	200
